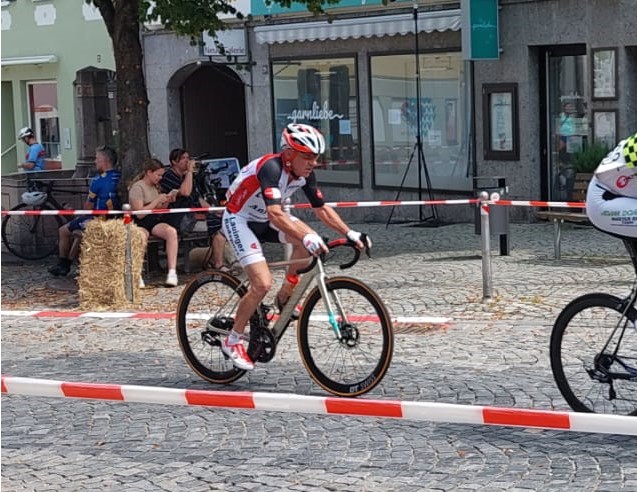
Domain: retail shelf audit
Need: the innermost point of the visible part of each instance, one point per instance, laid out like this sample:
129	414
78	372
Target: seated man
254	213
102	195
180	177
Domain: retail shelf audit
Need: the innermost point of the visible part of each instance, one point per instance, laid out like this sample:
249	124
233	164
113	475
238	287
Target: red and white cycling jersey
264	182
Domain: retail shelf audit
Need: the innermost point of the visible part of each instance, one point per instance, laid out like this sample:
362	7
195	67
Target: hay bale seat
103	266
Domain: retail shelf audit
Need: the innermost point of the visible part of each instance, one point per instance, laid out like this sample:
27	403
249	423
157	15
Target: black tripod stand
431	220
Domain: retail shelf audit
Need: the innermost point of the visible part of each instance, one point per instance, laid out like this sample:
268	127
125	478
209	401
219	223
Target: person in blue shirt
102	195
36	154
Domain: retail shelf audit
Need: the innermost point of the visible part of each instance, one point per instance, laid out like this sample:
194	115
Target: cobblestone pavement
492	353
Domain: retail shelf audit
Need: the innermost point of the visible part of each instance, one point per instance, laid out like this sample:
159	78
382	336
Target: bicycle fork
331	314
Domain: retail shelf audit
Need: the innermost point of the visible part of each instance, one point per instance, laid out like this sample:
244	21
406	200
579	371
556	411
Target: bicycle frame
317	274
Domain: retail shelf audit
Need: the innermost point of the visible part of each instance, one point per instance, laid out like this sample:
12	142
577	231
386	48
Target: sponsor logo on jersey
319	194
272	193
622	182
254	246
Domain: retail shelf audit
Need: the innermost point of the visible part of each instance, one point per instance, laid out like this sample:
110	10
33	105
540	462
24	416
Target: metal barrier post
128	264
486	246
287	248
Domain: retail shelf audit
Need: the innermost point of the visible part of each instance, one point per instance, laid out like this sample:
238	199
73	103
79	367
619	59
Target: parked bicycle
344	330
594	351
33	237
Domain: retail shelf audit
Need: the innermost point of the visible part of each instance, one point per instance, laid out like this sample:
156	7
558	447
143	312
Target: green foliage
587	159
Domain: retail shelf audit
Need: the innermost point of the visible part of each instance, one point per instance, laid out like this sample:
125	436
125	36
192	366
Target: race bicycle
344	330
594	351
33	237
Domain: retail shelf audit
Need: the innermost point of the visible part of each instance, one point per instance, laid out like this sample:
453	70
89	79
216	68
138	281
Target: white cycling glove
314	244
356	236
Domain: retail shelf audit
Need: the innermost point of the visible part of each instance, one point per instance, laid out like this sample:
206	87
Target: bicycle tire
205	297
31	237
349	370
579	333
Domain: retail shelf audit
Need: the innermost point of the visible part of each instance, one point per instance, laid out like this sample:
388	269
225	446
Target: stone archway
207	109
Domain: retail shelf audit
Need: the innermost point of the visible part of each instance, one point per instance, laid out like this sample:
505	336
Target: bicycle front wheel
357	362
31	237
594	355
205	315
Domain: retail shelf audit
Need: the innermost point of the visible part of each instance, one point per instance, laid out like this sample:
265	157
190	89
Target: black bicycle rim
353	367
31	237
579	335
202	299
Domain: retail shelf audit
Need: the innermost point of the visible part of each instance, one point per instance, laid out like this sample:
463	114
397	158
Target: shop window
322	93
43	111
443	128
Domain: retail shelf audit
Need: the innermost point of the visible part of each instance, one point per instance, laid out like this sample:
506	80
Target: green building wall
76	42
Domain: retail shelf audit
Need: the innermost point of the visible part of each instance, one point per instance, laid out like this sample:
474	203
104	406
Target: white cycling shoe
238	355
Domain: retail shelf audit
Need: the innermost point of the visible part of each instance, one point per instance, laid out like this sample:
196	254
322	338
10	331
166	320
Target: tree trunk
121	19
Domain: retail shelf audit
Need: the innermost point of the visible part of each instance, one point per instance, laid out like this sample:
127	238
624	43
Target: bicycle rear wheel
205	314
594	355
357	363
31	237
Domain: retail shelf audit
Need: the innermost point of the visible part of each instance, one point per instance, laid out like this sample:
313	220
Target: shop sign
480	35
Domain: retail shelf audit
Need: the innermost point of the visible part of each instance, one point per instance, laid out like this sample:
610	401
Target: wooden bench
187	242
558	219
559	216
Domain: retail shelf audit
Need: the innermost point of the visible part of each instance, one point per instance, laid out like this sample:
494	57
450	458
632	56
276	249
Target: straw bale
103	265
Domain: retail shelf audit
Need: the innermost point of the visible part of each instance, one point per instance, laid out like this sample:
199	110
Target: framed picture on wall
605	127
604	73
500	122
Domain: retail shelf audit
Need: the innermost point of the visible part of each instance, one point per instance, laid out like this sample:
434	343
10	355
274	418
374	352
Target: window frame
290	60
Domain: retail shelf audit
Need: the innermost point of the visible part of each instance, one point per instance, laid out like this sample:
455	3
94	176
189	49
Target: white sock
173	271
234	338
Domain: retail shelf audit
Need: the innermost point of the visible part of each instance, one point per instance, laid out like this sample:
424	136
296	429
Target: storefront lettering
316	113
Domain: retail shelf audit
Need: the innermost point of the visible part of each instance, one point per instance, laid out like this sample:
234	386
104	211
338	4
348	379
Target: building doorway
565	109
213	113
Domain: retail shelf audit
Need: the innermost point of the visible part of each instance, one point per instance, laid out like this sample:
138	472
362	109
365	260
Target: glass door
567	119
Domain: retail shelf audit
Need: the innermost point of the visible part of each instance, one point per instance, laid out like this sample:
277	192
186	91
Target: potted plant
587	159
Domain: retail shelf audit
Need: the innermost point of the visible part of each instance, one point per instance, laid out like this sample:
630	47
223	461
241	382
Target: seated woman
144	195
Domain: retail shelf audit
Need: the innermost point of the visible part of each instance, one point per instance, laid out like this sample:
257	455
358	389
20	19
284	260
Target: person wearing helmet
254	213
611	200
34	160
102	195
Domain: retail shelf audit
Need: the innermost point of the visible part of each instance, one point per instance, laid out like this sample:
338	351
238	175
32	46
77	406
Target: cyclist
102	195
36	154
611	200
254	213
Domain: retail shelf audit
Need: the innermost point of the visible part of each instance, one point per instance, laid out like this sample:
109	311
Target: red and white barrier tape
137	315
535	203
284	402
381	203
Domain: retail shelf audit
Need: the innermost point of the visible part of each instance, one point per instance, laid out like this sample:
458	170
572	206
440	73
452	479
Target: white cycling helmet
303	138
34	197
25	132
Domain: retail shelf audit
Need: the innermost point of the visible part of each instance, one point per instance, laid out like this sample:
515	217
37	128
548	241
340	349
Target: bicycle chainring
262	345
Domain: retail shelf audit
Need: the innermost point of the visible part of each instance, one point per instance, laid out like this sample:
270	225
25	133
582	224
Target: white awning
29	60
366	27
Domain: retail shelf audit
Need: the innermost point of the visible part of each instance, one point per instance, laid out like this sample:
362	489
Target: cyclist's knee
261	286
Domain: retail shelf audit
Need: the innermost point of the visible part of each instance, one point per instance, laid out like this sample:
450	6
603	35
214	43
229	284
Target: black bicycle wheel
357	363
594	355
31	237
205	313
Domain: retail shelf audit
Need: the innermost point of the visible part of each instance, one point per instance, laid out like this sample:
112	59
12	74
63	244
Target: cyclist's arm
330	218
296	229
